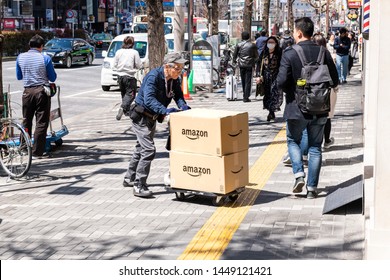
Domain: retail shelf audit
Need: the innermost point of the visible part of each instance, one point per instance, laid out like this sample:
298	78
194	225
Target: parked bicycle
15	144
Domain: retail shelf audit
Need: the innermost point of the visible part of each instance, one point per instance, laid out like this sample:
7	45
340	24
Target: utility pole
178	26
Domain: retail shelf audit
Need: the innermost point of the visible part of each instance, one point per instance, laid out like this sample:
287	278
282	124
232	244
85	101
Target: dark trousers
246	81
36	102
128	88
144	153
327	129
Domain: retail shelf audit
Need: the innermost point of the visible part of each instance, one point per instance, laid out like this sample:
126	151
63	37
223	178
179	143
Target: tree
155	33
215	17
247	16
265	15
290	15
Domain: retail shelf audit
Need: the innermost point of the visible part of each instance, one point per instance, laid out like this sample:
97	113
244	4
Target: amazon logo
194	134
195	171
238	171
235	134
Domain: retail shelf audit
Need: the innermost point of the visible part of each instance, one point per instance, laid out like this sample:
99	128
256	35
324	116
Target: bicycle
15	144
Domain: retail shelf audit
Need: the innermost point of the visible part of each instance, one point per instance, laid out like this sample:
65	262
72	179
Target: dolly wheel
59	142
233	197
218	200
180	195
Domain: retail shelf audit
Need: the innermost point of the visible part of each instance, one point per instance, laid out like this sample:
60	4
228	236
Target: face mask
271	46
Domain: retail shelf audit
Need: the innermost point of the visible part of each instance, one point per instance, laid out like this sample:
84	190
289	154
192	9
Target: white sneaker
286	159
167	179
329	144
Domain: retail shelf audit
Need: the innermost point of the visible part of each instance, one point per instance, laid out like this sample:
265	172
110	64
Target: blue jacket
153	92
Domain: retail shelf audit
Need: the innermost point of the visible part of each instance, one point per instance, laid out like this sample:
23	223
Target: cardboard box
205	173
210	132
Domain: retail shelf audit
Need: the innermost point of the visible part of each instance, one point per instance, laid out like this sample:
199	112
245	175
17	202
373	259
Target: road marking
81	68
14	92
83	92
213	238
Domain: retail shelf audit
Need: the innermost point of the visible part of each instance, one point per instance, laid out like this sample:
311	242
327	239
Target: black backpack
312	91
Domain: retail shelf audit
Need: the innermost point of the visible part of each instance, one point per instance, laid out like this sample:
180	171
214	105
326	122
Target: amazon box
205	173
210	132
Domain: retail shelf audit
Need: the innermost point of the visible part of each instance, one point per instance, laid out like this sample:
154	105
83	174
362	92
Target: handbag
260	90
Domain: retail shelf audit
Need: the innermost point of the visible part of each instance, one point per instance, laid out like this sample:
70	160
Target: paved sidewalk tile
73	205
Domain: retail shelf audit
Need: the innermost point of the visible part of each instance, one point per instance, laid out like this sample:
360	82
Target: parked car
109	76
69	51
169	38
102	39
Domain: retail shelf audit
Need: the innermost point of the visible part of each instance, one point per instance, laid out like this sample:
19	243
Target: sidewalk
73	205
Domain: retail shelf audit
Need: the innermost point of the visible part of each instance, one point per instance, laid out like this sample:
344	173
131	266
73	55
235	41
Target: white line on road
80	93
75	69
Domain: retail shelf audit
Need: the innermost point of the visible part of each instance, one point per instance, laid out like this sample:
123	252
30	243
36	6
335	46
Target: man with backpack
306	71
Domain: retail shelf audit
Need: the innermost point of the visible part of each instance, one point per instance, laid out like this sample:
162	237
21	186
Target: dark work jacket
344	49
245	54
153	92
290	71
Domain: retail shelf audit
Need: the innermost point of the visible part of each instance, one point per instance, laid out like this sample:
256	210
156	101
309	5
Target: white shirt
127	62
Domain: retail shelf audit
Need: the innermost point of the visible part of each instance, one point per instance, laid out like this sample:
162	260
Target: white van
109	76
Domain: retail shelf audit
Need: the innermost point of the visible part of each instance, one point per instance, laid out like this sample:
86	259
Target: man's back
290	71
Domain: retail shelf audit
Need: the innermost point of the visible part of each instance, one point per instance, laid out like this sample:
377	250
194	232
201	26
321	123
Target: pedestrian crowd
279	65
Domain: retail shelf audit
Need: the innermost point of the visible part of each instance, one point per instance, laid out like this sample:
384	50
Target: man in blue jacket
158	88
36	70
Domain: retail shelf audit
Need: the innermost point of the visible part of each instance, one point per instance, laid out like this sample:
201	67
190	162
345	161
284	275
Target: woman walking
126	64
266	72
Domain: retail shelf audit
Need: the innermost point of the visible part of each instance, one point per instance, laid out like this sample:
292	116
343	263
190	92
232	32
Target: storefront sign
9	23
354	4
202	63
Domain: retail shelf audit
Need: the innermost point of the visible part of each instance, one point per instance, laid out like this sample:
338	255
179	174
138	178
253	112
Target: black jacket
342	45
290	72
246	53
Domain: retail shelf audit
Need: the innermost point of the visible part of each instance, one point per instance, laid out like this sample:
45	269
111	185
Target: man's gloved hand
185	107
171	110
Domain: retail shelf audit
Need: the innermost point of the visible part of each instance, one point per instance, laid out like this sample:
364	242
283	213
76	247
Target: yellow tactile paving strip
212	239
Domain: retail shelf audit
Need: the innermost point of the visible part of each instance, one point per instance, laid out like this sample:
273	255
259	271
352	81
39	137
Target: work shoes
298	185
128	183
119	114
141	191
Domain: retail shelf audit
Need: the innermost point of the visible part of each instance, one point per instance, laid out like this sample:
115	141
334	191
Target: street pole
190	27
210	9
327	18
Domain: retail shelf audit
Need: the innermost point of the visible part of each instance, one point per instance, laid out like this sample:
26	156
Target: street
80	88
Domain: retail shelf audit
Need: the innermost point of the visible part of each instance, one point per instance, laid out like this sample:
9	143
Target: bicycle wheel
15	149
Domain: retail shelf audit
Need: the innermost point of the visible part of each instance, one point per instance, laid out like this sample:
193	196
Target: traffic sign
70	20
69	14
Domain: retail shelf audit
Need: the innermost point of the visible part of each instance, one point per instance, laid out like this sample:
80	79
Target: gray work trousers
139	166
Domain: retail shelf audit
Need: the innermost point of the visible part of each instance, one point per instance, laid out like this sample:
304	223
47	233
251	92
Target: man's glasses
177	68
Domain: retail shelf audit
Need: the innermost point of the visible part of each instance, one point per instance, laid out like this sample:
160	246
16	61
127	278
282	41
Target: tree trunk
247	16
155	33
214	17
290	15
265	15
